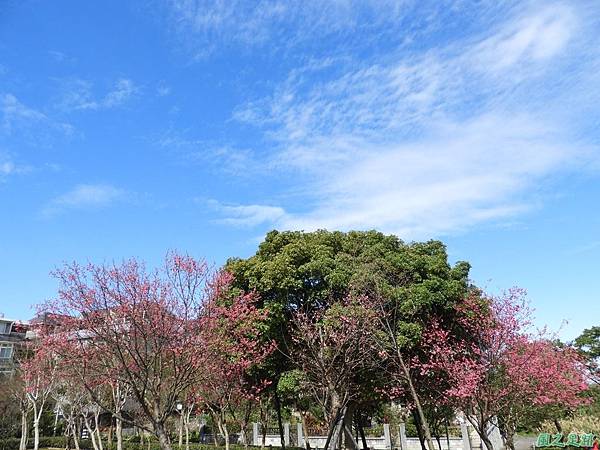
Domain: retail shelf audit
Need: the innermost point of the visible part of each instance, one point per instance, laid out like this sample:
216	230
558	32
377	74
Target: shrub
576	424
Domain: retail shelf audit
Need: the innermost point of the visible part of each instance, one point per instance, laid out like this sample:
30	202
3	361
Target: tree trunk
279	421
510	441
415	397
558	426
119	433
110	435
187	428
161	434
335	430
55	426
226	436
486	440
363	438
180	440
305	431
24	431
36	434
97	429
419	429
75	436
90	432
349	443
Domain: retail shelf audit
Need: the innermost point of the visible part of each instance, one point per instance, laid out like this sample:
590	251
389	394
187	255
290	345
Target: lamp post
179	407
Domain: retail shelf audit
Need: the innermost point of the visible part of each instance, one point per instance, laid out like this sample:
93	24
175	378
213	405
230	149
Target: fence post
255	437
286	433
402	432
387	436
300	434
466	439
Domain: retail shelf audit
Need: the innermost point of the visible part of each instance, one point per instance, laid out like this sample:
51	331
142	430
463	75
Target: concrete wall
383	442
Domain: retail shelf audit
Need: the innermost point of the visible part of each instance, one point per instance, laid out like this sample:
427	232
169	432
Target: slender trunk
36	433
279	421
24	431
97	429
349	442
187	427
415	397
558	426
419	429
187	437
180	440
75	435
305	431
361	431
486	440
264	412
119	433
110	435
90	432
226	435
55	426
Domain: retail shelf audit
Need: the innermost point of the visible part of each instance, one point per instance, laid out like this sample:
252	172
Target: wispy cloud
421	143
163	89
222	156
10	168
204	25
78	95
17	117
248	215
85	197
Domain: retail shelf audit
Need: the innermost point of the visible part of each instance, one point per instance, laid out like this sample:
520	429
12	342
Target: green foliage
294	271
575	424
297	270
589	346
86	444
589	342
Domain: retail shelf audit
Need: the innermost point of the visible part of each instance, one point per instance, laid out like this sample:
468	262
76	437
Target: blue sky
131	128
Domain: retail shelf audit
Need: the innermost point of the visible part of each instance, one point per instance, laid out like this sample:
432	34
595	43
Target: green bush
9	444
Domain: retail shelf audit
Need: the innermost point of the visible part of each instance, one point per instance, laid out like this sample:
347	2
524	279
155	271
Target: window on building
5	327
6	351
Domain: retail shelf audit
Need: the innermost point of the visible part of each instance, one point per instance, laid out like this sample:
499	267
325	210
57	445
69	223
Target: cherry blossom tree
141	331
13	391
232	335
334	349
39	376
500	371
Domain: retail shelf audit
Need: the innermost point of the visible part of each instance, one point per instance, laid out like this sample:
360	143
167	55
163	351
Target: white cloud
78	95
428	143
7	168
85	196
533	38
16	116
248	215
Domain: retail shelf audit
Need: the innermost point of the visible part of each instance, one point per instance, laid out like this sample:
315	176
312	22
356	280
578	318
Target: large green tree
588	344
298	271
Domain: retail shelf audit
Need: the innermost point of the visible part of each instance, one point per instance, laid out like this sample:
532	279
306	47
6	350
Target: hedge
86	444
